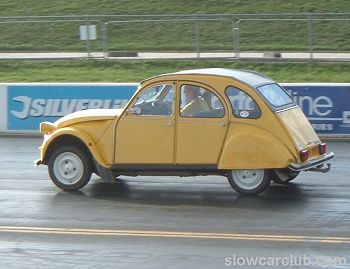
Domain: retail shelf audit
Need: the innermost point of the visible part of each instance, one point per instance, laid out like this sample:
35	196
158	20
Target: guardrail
236	33
24	105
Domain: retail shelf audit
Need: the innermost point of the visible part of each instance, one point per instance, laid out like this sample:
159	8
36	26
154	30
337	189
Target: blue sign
327	106
30	104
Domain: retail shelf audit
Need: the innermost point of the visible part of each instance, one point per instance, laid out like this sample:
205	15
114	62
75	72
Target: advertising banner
24	105
30	104
327	106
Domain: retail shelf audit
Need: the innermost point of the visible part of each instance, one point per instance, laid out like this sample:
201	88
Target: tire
249	181
70	168
283	176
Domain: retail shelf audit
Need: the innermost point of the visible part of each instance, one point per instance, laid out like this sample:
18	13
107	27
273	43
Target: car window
169	97
200	103
156	100
149	94
243	106
275	95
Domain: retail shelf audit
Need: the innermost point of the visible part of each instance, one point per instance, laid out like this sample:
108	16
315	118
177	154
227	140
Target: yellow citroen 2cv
234	123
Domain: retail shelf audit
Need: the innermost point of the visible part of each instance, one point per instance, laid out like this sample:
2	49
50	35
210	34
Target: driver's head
191	91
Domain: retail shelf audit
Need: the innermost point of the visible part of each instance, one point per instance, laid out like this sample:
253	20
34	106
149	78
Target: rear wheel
252	181
69	168
282	176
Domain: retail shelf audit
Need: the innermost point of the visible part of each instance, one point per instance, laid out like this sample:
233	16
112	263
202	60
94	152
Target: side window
156	100
200	103
243	106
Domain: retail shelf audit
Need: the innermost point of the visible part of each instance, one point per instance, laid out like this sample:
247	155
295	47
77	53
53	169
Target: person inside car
196	103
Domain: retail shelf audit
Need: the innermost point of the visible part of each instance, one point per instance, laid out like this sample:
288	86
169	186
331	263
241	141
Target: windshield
275	95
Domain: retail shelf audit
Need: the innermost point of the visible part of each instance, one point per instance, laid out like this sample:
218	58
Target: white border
3	108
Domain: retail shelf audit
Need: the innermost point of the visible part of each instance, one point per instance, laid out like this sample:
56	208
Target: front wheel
69	168
252	181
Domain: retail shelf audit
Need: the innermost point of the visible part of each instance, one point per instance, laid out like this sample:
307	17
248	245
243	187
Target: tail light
304	155
322	148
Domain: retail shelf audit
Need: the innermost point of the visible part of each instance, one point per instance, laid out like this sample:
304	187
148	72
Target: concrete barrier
24	105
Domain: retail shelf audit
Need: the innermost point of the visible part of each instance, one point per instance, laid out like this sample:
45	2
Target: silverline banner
327	106
24	105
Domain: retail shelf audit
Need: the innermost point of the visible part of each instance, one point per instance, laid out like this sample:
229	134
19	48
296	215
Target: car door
201	129
145	132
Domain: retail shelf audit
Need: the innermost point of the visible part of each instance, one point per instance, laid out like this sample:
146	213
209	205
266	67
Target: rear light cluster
322	148
305	154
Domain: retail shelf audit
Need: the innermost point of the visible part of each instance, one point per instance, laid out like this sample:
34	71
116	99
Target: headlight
46	127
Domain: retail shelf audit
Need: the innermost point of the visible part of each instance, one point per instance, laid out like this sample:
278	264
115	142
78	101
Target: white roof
248	77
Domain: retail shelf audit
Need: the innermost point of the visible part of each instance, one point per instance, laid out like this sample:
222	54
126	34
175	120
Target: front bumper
313	165
37	162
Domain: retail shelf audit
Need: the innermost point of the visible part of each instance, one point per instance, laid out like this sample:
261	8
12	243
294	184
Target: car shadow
277	197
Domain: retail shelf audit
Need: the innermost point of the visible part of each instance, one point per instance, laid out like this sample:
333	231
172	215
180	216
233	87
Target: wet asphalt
170	222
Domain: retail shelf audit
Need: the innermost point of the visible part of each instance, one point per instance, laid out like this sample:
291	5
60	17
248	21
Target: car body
247	128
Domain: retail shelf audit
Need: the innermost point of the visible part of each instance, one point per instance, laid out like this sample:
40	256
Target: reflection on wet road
171	222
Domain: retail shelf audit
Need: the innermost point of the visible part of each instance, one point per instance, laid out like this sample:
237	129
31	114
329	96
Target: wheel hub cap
68	168
248	179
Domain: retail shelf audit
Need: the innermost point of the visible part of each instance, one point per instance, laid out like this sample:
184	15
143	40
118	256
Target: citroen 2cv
233	123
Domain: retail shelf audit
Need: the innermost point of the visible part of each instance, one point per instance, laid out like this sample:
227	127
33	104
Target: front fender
77	133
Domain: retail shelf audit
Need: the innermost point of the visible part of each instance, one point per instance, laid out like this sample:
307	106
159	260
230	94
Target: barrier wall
24	105
326	105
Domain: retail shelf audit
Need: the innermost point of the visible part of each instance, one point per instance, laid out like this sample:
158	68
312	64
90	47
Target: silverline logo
60	107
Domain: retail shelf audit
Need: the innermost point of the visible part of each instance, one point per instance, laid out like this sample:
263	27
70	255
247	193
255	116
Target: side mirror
134	111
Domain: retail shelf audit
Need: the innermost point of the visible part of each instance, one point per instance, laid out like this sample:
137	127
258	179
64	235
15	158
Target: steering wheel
161	108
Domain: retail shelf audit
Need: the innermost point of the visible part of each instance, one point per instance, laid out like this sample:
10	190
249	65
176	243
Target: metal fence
308	35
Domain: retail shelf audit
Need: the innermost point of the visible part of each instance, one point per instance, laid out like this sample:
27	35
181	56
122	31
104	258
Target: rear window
275	95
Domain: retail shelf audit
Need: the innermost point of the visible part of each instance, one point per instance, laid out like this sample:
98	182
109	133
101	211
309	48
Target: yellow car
233	123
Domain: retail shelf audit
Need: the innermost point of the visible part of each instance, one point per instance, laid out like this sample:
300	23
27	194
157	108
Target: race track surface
170	222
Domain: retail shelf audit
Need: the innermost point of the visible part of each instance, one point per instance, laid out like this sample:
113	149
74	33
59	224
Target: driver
196	104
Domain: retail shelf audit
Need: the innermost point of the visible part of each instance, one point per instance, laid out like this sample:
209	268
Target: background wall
24	105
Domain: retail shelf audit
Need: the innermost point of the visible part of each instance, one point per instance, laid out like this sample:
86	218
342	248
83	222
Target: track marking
198	235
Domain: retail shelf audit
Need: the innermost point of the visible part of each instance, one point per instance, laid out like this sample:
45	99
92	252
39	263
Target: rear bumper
313	165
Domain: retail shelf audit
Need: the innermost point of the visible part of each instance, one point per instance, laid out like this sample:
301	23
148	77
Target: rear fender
253	148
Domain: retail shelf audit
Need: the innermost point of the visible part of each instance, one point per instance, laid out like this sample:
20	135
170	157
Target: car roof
250	78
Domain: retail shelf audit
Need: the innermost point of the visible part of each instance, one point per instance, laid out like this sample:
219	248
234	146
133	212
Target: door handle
223	124
170	123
